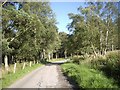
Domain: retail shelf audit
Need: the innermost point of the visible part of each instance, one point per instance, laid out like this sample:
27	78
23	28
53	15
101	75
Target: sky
61	10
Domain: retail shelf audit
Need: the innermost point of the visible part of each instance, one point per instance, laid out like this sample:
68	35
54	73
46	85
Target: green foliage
113	55
93	28
5	48
98	62
29	30
86	77
108	64
112	67
64	43
77	59
54	60
111	60
93	72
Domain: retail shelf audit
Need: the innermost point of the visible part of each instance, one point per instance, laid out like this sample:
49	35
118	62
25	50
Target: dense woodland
30	34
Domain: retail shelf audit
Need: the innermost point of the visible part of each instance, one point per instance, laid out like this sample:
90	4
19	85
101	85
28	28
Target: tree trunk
1	73
12	59
37	62
94	50
39	55
101	42
24	64
106	42
48	56
34	61
112	45
44	53
30	63
86	54
52	55
6	62
65	53
15	67
77	54
71	55
56	55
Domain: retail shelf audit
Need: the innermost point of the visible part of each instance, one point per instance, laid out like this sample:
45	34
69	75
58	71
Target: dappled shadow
69	79
55	63
74	84
112	73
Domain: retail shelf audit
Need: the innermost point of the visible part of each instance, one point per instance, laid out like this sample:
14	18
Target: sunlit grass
0	84
8	79
86	77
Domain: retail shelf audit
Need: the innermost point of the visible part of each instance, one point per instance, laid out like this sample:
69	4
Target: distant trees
64	39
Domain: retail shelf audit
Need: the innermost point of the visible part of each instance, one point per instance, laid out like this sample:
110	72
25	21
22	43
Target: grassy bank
95	72
86	77
0	84
8	79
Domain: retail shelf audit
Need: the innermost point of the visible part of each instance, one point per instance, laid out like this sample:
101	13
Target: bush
113	54
86	77
112	68
109	64
113	59
77	59
98	62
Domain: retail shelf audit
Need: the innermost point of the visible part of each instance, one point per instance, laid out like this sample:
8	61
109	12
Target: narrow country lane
49	76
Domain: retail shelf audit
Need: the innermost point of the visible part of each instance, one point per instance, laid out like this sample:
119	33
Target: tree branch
4	2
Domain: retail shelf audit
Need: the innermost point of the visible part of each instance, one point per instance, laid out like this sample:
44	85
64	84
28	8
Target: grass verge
86	77
8	79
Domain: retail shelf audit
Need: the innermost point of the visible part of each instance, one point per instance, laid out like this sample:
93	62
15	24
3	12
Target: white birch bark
106	42
49	56
6	62
56	55
65	53
30	63
24	64
14	67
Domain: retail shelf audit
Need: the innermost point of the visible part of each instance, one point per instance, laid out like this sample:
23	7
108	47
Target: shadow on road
71	81
56	62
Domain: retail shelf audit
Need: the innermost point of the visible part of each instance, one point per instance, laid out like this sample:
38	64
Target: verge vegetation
99	72
10	77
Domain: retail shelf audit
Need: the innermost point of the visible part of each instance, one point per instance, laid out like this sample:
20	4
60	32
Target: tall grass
90	72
